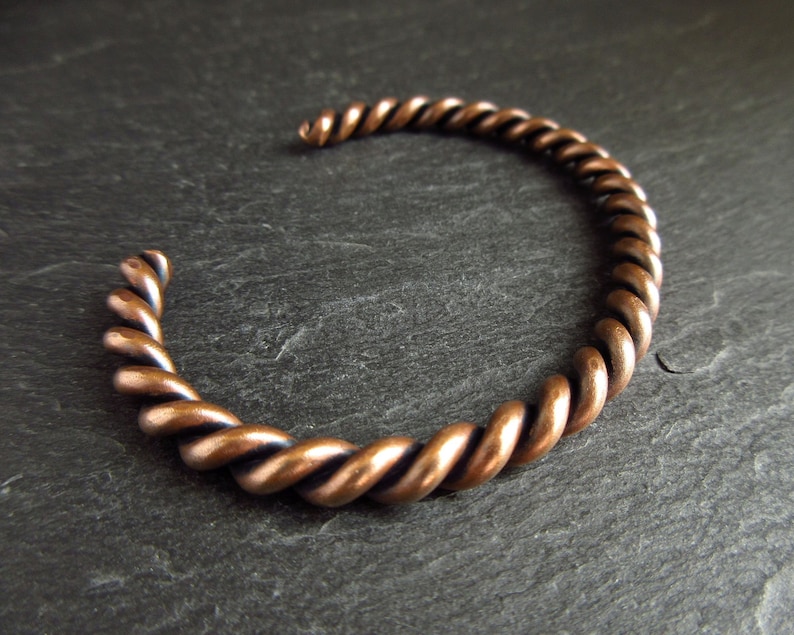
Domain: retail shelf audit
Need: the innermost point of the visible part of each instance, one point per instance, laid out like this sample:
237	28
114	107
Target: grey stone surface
391	286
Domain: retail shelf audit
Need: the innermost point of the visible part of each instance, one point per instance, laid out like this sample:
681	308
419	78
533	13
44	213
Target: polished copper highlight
332	472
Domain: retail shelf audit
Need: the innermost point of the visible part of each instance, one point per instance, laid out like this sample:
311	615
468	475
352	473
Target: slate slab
389	287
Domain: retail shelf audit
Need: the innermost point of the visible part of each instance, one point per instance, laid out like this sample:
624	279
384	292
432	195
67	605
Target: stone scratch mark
58	59
53	267
344	244
10	480
456	389
5	486
292	340
324	527
105	583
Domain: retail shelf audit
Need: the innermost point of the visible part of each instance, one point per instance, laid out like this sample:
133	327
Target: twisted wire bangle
332	472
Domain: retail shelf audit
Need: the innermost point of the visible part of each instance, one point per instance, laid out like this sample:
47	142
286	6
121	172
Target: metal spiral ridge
331	472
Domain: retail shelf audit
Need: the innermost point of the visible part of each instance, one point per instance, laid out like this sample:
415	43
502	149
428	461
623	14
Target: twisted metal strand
333	472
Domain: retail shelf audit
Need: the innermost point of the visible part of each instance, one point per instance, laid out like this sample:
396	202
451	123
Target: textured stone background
391	286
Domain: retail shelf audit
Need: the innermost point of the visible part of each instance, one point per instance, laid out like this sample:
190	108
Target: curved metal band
333	472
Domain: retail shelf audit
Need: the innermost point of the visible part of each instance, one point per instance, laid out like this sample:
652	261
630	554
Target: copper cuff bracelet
331	472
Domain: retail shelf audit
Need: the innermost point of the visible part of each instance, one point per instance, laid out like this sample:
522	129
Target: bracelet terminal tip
304	130
319	133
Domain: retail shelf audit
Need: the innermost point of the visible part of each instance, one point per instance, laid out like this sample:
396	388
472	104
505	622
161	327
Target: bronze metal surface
332	472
